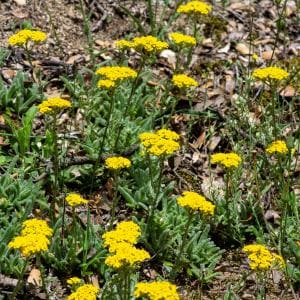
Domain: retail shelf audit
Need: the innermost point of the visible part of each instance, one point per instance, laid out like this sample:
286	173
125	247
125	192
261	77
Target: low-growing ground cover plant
120	178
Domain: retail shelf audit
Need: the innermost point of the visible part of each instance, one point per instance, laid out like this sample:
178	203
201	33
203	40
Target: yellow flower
116	73
168	134
85	292
52	105
160	143
73	281
228	160
183	81
36	226
30	244
270	73
161	290
277	147
182	40
125	232
23	36
194	7
260	258
75	200
126	255
255	57
123	44
106	83
117	163
148	44
195	201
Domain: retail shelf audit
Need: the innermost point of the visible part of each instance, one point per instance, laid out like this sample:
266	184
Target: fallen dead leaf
266	55
170	57
289	91
242	48
213	143
200	141
35	277
224	49
20	2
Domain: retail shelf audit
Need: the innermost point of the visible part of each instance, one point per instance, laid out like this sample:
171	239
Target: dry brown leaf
104	44
213	143
225	49
289	91
74	58
200	141
229	84
95	281
8	73
20	13
170	57
266	55
35	277
242	48
20	2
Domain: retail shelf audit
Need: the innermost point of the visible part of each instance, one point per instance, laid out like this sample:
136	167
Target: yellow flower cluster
163	142
125	232
85	292
117	163
73	281
194	7
277	147
195	201
261	258
34	237
161	290
22	37
183	81
74	199
228	160
146	44
106	84
270	73
182	40
120	243
114	75
52	105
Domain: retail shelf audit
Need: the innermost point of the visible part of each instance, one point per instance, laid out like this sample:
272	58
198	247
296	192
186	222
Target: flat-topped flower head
106	84
117	163
125	232
168	134
162	143
116	73
260	258
160	290
148	44
278	147
74	281
228	160
22	37
183	81
182	40
194	7
268	73
126	255
36	226
74	199
85	292
30	244
124	44
53	105
195	201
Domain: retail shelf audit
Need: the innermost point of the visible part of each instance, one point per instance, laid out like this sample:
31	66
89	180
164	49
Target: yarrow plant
53	105
270	73
194	7
124	256
228	160
193	203
85	292
117	163
182	40
160	290
74	199
277	147
22	37
183	81
74	281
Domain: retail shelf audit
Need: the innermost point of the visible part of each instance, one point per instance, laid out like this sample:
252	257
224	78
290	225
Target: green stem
96	165
151	17
178	260
273	90
115	201
129	100
189	58
20	282
28	54
55	156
